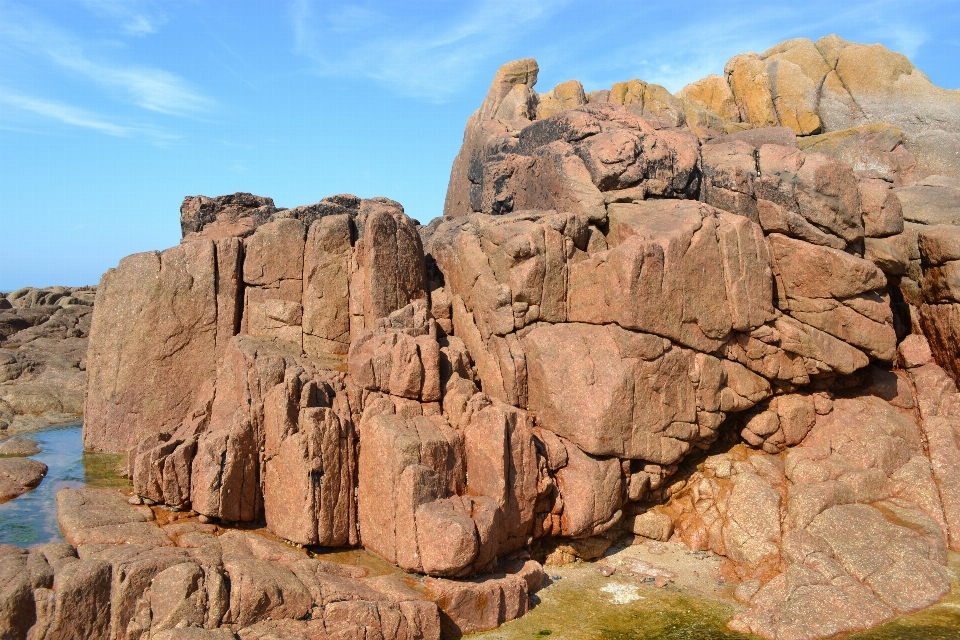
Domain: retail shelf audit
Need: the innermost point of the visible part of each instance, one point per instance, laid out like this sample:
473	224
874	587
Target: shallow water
374	564
31	519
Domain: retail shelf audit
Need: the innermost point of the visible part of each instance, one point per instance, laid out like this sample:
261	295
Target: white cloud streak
77	117
62	113
135	17
147	87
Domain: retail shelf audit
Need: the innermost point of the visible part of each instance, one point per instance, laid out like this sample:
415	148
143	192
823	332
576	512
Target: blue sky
112	111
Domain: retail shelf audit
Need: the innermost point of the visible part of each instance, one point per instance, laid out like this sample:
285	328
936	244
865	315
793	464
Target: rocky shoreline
726	318
43	347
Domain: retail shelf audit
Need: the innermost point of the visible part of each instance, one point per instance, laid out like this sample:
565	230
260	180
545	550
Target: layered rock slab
227	582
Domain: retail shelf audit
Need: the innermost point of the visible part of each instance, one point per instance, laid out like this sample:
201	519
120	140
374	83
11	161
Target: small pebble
205	519
660	582
606	570
148	502
135	499
656	548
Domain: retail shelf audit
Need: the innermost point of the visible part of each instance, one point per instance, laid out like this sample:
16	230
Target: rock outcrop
125	574
727	317
43	347
639	285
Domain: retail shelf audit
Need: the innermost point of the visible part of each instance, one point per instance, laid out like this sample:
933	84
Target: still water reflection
31	519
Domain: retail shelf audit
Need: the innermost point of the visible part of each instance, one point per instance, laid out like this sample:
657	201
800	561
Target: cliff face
621	281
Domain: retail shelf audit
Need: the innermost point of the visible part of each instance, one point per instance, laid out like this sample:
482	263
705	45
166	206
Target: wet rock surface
19	475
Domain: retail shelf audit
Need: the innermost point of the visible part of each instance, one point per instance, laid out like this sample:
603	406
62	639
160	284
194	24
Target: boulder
308	472
657	246
836	292
103	516
390	264
811	197
565	95
76	604
633	394
939	405
260	589
565	161
19	475
273	406
872	84
648	101
479	604
410	472
712	94
19	446
931	201
510	102
235	215
874	151
592	493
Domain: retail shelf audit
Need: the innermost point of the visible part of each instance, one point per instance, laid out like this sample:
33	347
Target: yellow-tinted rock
511	92
885	87
629	93
794	97
713	94
830	48
872	68
803	53
750	83
700	119
564	96
648	100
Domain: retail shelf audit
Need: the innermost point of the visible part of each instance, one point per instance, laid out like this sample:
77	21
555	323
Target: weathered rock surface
19	446
43	347
763	266
19	475
191	580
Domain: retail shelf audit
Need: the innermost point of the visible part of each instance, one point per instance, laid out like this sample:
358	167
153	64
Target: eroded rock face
620	280
634	332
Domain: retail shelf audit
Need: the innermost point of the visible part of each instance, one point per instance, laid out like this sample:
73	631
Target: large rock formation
644	271
43	347
622	280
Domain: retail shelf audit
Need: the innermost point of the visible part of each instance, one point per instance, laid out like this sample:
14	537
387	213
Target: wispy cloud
426	54
146	87
76	117
135	17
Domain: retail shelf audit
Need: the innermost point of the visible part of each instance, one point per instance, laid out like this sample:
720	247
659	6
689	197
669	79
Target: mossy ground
579	603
